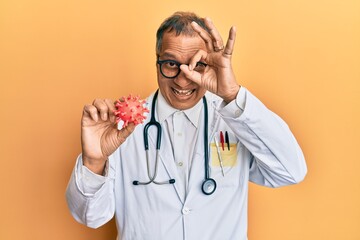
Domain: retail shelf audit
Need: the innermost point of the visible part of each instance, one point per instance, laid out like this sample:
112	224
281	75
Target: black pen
227	140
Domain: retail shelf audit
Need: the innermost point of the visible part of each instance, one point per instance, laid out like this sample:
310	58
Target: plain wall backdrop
300	57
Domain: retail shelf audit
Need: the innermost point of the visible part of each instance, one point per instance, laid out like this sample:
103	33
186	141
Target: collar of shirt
192	114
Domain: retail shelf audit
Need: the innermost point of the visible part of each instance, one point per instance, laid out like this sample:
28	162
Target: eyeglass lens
171	69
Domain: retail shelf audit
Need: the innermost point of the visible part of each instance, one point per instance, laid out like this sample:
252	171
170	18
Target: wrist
97	166
231	94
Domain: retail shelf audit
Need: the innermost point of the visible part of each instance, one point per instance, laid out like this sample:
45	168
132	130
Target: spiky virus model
130	110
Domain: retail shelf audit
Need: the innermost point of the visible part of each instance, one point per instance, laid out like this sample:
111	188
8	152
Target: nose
181	80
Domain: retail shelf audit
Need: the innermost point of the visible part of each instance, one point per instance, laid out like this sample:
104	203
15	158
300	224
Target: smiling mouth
183	92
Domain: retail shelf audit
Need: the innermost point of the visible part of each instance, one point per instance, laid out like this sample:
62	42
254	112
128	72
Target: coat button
185	210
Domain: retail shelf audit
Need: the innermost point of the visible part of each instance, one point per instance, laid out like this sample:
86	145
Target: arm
277	157
89	196
90	192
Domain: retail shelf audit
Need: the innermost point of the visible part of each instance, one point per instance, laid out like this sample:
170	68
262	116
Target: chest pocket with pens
224	151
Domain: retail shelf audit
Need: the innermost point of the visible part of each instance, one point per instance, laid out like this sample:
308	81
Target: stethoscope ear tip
172	181
135	182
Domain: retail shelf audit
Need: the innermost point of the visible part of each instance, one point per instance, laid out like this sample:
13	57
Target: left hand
218	77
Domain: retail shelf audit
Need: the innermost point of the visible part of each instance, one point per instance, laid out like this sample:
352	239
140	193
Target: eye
171	64
200	66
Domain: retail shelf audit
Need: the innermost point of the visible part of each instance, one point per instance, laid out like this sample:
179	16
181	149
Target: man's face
180	92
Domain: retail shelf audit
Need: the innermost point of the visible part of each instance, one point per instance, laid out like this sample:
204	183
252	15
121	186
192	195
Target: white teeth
183	92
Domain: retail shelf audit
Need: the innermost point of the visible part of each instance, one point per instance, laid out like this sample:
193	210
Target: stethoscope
208	186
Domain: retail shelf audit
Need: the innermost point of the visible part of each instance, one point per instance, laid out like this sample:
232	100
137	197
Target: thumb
125	132
191	74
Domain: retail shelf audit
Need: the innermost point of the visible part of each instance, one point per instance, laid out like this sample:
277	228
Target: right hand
100	136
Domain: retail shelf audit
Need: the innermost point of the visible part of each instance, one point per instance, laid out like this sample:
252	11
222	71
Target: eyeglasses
171	68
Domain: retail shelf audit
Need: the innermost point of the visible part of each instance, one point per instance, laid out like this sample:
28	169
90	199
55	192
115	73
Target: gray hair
180	23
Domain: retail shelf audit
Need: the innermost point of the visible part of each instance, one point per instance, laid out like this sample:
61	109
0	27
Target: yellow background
300	57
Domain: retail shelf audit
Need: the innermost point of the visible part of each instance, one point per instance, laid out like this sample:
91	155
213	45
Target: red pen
222	140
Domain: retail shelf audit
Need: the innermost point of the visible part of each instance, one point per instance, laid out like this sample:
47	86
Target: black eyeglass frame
160	62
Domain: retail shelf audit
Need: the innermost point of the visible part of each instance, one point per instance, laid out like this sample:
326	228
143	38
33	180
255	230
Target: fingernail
104	116
190	67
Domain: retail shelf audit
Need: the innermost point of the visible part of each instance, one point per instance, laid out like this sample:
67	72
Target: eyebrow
168	55
173	57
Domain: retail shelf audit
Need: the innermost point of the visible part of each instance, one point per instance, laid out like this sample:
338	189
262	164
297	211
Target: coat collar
193	114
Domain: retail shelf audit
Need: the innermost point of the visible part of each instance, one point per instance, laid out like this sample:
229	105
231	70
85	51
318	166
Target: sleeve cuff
88	181
236	107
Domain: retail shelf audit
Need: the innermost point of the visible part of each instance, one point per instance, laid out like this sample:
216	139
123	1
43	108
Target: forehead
180	47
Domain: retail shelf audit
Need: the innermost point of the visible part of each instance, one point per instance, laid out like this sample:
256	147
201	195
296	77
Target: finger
90	110
217	40
191	74
230	42
200	55
111	106
204	35
102	108
125	132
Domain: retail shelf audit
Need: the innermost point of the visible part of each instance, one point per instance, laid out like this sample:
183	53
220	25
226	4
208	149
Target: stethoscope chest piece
209	186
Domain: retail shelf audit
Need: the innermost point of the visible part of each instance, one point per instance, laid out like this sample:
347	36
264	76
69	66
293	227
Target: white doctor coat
263	150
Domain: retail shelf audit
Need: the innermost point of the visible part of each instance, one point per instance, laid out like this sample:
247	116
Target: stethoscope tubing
155	123
152	179
208	187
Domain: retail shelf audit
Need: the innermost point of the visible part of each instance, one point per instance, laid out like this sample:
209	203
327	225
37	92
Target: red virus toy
130	110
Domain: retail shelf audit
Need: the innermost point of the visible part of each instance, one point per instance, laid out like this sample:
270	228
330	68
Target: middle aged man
215	137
